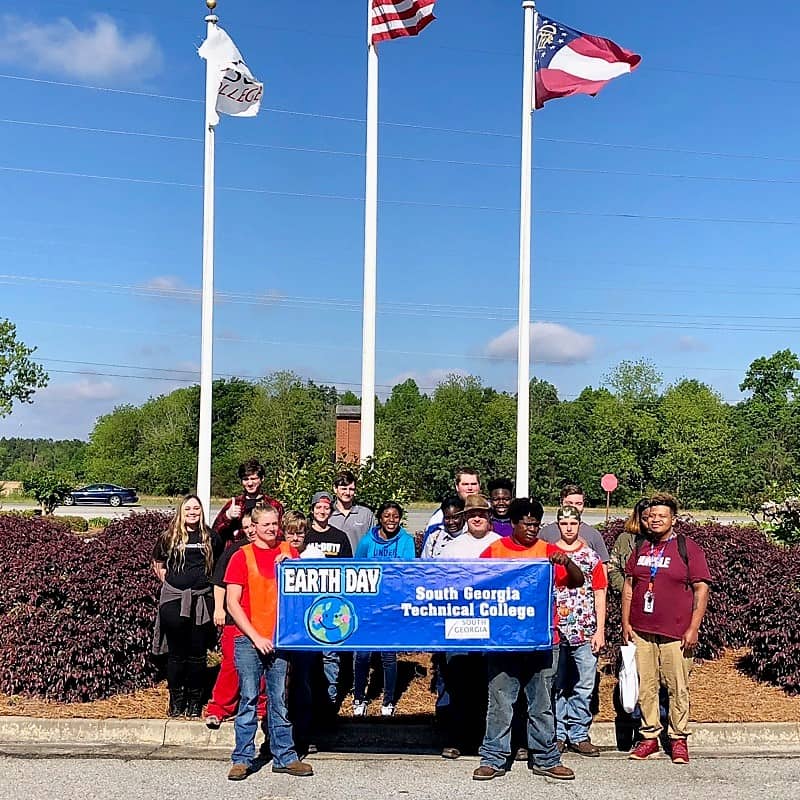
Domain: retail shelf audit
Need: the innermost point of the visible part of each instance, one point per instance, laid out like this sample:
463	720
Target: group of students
224	577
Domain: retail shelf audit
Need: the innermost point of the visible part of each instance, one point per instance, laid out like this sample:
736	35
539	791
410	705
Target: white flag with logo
239	93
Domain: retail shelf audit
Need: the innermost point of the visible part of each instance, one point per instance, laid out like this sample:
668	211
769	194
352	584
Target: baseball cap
476	502
568	512
321	496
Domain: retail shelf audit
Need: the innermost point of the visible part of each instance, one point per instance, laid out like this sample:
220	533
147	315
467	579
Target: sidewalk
149	738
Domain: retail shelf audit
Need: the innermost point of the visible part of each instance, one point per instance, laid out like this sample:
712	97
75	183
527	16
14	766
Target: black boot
177	702
194	703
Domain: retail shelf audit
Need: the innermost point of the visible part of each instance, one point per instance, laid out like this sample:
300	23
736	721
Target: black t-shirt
218	578
333	542
192	573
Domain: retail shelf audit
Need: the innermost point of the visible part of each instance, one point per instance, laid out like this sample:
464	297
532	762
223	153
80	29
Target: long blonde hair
176	537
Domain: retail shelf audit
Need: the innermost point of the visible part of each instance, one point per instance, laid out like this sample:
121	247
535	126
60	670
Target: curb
350	735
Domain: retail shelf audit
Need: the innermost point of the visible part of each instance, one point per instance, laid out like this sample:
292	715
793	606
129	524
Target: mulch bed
720	693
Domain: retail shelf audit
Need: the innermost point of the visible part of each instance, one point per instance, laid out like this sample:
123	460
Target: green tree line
680	437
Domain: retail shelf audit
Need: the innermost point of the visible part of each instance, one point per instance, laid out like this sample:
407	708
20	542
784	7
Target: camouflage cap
568	512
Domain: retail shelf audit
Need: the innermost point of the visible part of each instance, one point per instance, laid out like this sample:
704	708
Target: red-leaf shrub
76	615
775	628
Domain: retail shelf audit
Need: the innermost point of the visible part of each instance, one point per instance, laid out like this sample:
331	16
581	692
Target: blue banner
485	604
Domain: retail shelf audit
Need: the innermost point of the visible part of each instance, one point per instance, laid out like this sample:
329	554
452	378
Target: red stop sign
609	482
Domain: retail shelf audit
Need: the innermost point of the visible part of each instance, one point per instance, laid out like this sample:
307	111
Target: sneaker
559	772
451	752
238	772
585	748
359	708
486	773
644	749
213	722
679	751
521	754
387	710
299	769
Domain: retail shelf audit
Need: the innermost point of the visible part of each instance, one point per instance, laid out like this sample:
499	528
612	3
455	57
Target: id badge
649	602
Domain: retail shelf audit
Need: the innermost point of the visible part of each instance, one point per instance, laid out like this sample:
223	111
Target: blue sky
666	209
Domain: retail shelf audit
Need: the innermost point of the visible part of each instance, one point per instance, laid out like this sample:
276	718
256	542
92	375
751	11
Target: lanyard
655	558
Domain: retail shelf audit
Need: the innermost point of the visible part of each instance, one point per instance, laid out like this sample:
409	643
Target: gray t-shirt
590	535
356	523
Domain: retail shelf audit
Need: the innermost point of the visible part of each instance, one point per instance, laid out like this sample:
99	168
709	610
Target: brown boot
559	772
238	772
486	773
297	768
585	748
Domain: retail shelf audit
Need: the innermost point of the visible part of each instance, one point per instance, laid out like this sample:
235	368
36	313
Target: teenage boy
225	694
533	673
335	544
467	482
252	597
573	495
501	493
332	541
664	600
452	525
229	519
347	515
581	627
465	672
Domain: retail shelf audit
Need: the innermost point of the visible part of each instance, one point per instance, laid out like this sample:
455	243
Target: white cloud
81	390
99	51
551	343
690	344
64	410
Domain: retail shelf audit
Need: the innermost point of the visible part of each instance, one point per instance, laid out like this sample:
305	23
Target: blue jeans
508	673
251	666
361	674
577	671
330	667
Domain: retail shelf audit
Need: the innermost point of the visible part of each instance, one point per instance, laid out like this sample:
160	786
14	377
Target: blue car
105	493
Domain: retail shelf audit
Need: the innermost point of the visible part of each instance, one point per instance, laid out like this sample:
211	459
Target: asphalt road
407	777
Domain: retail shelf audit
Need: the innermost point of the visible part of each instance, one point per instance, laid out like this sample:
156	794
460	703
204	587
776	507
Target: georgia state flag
570	62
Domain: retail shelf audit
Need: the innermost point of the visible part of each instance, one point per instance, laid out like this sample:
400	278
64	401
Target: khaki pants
660	660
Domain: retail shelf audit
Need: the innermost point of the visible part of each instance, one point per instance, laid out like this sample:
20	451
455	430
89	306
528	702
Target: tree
20	377
634	381
772	379
695	461
48	488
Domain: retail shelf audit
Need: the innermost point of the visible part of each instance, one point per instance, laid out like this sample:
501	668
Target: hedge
76	615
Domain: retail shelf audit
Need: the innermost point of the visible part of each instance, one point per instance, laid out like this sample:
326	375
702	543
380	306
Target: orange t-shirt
253	568
507	547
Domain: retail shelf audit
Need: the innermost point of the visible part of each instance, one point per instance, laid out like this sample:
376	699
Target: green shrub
99	522
77	524
380	478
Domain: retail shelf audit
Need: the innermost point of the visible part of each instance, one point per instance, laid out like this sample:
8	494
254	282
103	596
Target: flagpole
525	208
367	447
207	325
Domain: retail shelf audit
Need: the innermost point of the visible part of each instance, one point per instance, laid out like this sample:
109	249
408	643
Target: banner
485	604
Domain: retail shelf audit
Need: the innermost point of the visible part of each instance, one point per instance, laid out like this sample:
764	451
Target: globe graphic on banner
331	619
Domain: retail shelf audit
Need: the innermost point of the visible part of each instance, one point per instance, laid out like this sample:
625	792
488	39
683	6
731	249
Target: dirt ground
720	693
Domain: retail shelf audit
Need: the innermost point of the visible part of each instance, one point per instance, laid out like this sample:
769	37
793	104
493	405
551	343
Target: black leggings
186	644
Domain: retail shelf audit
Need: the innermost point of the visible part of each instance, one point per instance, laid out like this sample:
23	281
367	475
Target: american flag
390	20
570	62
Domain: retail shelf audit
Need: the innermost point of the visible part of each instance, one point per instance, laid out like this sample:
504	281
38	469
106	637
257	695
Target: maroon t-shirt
672	590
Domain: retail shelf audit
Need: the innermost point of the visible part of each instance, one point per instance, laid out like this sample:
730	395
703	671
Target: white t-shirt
312	551
467	546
